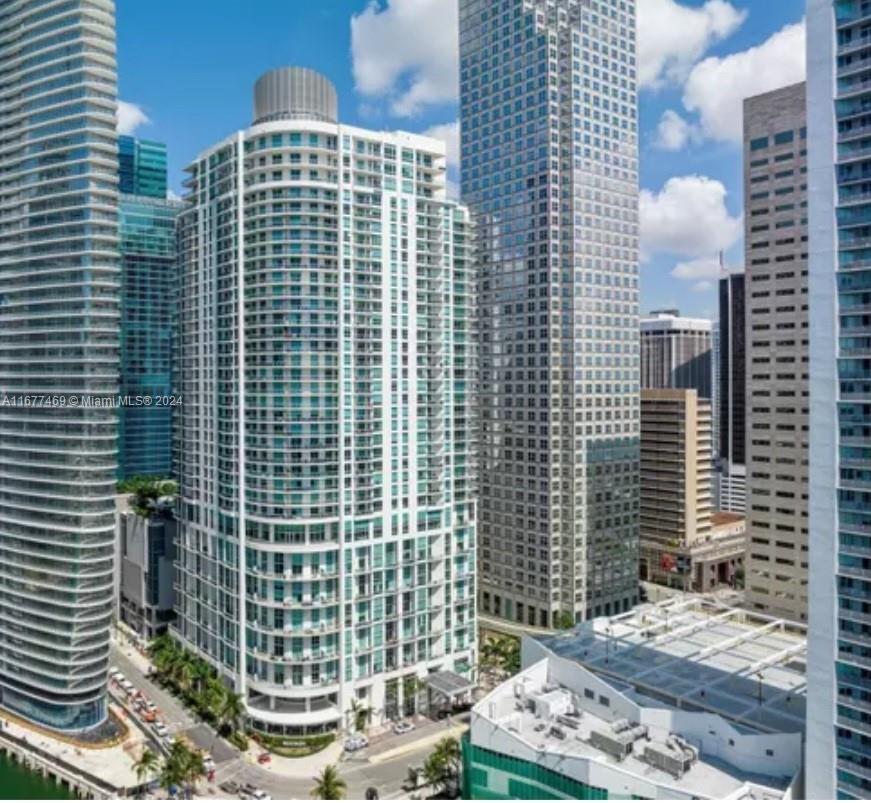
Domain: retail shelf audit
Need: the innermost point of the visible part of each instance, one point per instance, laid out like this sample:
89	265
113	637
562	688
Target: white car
160	729
259	794
401	728
356	742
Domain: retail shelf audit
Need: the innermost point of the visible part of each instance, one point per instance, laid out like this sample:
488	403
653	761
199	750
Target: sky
187	69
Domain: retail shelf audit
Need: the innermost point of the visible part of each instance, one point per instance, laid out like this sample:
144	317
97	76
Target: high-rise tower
58	351
775	233
676	353
149	295
327	513
839	229
732	471
550	170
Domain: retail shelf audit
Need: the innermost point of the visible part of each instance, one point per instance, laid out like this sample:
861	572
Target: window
758	144
784	137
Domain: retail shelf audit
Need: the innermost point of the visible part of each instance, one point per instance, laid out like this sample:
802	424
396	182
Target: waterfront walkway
107	767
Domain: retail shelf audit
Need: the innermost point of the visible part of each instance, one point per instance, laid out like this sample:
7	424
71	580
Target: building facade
326	547
149	292
59	321
776	243
732	421
685	544
146	575
839	160
591	716
676	353
550	170
141	167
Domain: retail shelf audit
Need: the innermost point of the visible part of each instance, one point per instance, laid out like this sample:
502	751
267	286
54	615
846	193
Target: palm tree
146	764
360	714
442	767
329	785
232	711
193	769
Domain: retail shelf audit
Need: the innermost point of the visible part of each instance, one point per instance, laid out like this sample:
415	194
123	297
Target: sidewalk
306	767
424	736
113	764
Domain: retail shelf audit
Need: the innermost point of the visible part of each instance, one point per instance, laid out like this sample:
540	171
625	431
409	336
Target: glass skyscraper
550	171
839	195
59	321
141	167
327	516
149	291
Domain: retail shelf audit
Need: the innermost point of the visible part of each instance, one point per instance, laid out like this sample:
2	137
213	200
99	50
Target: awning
449	684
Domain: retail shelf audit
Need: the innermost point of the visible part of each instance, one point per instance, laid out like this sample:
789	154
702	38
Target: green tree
564	621
361	715
146	764
441	769
329	785
411	687
232	711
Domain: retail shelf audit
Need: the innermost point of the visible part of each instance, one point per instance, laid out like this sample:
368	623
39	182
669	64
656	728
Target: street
387	775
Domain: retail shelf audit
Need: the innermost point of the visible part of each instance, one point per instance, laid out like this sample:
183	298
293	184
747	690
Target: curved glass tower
326	549
58	341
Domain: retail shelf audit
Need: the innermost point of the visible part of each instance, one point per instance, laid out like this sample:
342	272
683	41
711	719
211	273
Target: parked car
230	787
403	727
160	730
251	792
356	742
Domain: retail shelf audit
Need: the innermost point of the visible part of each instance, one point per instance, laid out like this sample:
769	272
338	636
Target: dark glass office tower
733	388
149	291
550	170
59	322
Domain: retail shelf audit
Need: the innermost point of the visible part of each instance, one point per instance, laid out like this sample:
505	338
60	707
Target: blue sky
186	69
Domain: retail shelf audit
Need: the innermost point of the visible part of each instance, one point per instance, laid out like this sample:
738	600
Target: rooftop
697	653
555	715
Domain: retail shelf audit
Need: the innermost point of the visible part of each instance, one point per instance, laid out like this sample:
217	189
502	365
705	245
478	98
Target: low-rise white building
688	699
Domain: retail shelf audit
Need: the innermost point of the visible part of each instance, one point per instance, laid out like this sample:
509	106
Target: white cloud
703	269
673	37
449	133
688	218
406	53
716	87
674	132
172	195
702	287
130	117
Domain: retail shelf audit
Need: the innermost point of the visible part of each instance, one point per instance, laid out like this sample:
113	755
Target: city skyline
723	43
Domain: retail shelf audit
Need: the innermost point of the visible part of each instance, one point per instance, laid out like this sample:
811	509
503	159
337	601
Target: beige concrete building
680	545
775	200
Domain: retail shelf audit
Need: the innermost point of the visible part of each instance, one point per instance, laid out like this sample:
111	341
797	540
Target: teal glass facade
518	779
839	649
141	167
853	216
59	322
149	293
